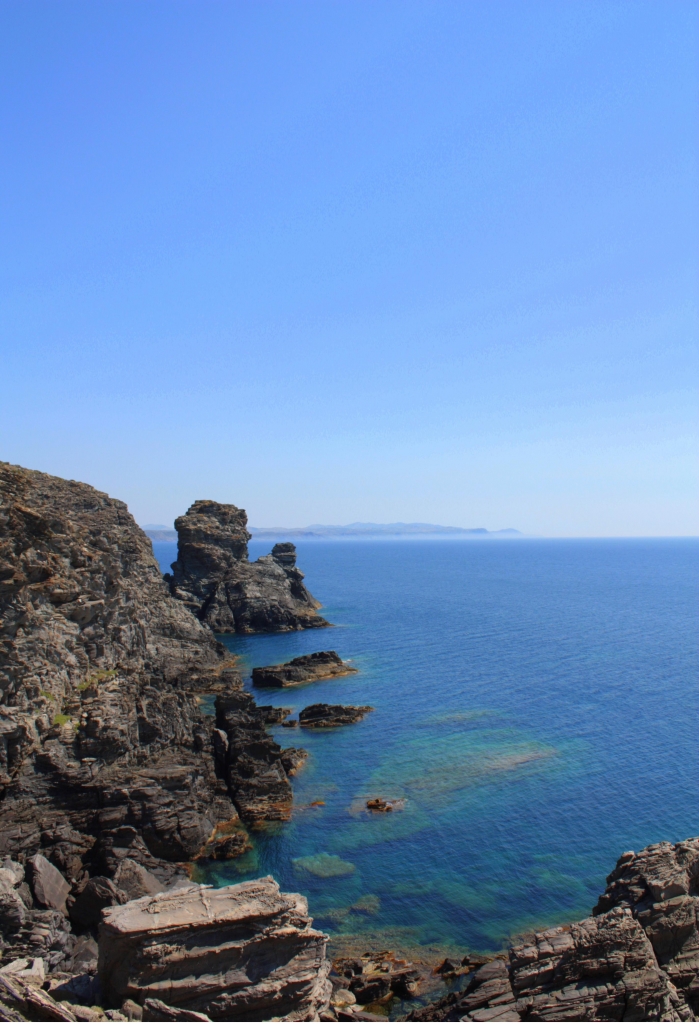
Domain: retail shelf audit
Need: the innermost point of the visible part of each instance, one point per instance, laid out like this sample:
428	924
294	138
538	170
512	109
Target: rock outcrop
213	577
81	594
254	766
636	959
99	670
660	886
243	952
308	668
329	716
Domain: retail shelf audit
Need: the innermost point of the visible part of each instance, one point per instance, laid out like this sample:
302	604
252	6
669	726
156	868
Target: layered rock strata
243	952
214	578
330	716
308	668
635	959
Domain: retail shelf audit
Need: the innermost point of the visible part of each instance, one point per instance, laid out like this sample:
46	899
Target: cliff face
213	577
104	752
80	592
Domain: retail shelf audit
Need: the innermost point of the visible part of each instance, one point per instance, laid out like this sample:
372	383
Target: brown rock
661	887
307	668
243	952
380	805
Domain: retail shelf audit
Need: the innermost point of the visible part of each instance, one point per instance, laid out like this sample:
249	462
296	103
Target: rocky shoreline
113	783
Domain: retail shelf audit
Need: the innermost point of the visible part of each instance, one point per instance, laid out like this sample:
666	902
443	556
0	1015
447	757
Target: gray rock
243	952
97	598
85	954
308	668
131	1010
48	884
155	1009
135	880
213	577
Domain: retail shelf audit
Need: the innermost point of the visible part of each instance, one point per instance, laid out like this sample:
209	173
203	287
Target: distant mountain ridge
161	533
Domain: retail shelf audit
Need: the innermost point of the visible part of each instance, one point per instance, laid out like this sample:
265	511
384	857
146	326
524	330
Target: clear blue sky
337	261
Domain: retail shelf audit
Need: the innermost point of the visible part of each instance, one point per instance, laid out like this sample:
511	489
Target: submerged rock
245	952
305	669
213	577
324	865
329	716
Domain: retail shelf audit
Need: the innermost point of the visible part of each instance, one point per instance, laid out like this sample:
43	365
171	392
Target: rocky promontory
215	580
308	668
109	780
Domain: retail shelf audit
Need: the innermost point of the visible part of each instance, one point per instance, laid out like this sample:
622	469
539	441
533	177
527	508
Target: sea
536	705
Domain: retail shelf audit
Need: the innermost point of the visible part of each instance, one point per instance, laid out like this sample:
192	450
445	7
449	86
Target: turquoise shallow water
536	708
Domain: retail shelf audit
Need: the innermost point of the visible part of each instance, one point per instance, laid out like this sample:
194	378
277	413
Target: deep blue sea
537	704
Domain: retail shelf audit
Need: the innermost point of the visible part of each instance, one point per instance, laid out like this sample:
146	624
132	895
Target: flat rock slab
242	952
329	716
306	669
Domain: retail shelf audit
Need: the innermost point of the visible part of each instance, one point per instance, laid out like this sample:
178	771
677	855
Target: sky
350	260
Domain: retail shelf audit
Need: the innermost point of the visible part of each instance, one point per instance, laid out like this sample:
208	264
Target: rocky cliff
105	756
80	592
213	577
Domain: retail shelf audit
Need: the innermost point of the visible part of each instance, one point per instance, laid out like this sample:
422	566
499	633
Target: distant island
161	533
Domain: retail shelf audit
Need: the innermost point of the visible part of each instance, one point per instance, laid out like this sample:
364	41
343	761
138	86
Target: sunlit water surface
536	709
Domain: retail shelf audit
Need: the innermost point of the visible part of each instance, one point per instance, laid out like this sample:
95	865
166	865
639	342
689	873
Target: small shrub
97	677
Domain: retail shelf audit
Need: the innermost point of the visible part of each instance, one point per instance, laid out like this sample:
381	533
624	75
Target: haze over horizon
362	261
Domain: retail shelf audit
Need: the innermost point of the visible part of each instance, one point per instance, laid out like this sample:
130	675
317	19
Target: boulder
329	716
13	912
135	880
242	952
48	884
307	668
